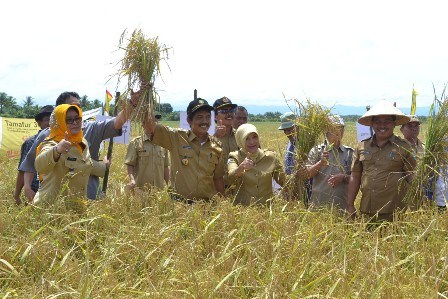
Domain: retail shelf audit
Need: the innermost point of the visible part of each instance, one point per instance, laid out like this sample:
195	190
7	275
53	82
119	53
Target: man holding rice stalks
329	166
382	165
197	162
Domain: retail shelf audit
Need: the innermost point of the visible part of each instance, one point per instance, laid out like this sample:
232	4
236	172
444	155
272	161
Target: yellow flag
414	101
108	99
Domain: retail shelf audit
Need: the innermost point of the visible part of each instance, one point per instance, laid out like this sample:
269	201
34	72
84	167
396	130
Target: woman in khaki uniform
251	169
63	159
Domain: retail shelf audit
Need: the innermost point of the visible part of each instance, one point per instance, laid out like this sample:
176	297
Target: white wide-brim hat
384	108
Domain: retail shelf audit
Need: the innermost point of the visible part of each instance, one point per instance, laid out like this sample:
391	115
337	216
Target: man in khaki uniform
410	133
224	113
329	166
197	163
382	165
147	163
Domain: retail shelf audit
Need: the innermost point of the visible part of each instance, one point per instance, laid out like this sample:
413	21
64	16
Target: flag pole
111	146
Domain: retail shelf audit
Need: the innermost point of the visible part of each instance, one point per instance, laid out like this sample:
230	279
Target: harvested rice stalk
311	125
140	66
435	155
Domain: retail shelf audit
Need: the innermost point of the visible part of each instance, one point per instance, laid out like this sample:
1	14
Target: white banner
90	115
362	132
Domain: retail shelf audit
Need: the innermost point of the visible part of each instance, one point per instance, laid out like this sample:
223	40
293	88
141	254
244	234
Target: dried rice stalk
312	123
435	155
140	66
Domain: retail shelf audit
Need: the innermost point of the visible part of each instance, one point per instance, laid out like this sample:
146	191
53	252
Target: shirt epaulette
366	139
215	140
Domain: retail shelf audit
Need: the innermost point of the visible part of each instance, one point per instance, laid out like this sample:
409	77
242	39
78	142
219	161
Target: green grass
123	248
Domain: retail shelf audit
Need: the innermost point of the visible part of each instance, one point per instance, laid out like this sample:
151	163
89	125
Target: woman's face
252	143
73	122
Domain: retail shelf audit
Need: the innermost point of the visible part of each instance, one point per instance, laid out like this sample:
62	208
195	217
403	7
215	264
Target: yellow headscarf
241	135
58	127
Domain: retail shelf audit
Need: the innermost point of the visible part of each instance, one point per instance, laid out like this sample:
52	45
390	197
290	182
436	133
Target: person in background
410	132
288	127
147	163
329	165
43	121
224	112
224	115
94	132
382	166
197	162
252	169
241	117
63	159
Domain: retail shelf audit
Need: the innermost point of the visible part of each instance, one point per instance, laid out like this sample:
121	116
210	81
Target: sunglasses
71	121
226	111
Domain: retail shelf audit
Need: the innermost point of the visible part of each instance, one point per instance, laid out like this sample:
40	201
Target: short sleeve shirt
149	161
383	171
194	166
339	162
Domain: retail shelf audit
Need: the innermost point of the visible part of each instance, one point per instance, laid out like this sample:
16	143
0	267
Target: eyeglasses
226	111
71	121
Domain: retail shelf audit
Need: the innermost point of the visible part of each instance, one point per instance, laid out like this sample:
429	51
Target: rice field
152	247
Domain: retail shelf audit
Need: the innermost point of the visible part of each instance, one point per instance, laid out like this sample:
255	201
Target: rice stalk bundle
140	66
435	156
312	123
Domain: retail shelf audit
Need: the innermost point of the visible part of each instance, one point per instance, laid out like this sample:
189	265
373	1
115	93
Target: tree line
10	107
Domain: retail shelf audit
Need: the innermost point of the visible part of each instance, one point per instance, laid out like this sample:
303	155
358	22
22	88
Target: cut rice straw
140	66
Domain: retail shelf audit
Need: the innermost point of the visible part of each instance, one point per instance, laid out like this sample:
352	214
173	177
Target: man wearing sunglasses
224	114
94	132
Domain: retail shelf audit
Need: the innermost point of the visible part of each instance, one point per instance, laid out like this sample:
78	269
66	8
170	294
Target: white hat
384	108
337	120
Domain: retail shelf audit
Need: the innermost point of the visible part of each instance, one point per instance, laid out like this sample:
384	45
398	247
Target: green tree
29	108
166	108
6	103
85	103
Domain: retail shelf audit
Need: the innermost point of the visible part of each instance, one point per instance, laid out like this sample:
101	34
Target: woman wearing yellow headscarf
63	159
252	169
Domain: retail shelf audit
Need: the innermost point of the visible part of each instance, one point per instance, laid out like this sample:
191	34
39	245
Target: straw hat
383	108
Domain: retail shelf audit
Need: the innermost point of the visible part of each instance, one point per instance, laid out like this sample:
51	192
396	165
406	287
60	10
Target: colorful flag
414	101
108	99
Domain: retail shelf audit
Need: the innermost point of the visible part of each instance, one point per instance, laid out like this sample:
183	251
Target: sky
254	52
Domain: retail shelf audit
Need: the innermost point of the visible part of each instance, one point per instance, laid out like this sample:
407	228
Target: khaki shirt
149	161
193	166
228	145
255	185
383	171
339	162
72	168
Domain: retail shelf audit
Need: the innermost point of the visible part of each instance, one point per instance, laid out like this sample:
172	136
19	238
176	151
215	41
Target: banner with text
13	132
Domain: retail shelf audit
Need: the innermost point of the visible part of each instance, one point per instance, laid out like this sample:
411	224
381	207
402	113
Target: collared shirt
290	158
73	168
24	149
94	132
228	144
194	166
383	171
339	162
149	161
255	185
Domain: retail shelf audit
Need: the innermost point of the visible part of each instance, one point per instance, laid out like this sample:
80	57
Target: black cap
198	104
44	111
222	103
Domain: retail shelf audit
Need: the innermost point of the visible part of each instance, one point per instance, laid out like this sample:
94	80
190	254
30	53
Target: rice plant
435	155
140	67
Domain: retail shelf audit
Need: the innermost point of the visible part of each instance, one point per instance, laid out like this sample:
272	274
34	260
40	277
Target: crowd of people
62	162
